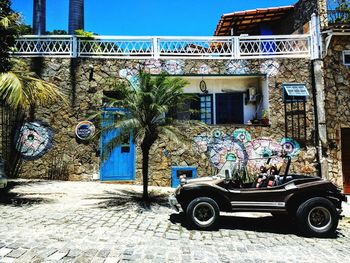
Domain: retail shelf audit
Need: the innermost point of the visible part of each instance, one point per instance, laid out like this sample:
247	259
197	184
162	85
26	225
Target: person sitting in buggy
273	175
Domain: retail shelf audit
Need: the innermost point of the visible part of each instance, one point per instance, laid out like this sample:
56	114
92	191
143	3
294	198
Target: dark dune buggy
314	202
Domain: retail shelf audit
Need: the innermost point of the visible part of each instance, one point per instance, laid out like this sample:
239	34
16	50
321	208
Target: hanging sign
85	130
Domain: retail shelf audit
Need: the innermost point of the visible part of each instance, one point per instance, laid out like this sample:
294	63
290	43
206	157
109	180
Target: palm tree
76	16
146	114
19	89
8	23
39	17
344	10
23	90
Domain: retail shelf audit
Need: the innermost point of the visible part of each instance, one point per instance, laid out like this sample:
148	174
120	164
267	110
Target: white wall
223	84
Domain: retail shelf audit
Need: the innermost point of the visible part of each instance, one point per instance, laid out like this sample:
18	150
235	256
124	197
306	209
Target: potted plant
265	117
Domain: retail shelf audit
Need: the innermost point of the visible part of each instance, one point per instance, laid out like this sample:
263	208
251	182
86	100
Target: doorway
345	153
120	163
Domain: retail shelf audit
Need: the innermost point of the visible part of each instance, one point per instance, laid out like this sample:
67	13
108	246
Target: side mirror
227	176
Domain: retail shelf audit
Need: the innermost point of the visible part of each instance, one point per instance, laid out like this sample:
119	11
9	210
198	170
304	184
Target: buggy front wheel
203	213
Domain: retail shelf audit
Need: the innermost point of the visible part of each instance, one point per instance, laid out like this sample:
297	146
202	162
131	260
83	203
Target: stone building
336	76
275	79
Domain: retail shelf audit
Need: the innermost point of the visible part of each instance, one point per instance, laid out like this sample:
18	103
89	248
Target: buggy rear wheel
317	217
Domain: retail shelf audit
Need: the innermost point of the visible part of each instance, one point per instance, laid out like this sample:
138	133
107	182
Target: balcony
131	47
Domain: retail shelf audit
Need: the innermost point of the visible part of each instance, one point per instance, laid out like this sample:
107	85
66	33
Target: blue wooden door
120	164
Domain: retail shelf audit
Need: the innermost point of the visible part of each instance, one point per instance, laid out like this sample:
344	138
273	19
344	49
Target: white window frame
346	53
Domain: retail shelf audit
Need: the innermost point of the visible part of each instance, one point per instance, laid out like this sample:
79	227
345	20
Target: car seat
269	176
265	180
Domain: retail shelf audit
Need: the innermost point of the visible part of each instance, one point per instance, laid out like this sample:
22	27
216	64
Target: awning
296	90
245	21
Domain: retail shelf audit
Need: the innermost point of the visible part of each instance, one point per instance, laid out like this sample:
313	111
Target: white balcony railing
34	46
245	47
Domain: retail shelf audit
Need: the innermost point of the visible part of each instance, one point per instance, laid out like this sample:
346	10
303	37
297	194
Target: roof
245	21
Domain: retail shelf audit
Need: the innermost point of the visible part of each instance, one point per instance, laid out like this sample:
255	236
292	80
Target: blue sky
143	18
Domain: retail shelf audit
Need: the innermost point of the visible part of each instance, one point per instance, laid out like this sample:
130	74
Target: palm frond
12	90
10	20
108	148
21	89
189	123
172	134
120	132
96	115
5	22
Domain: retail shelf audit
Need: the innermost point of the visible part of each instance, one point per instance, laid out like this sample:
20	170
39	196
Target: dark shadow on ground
10	197
124	199
265	224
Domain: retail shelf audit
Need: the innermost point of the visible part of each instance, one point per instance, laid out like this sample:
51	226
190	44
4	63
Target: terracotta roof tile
251	18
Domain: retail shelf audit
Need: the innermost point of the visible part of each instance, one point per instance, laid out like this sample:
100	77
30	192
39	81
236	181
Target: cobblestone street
49	221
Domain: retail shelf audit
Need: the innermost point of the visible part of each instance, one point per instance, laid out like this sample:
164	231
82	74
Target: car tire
317	217
203	213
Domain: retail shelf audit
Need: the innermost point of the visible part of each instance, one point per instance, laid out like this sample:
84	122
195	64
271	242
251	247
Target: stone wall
70	159
301	15
337	93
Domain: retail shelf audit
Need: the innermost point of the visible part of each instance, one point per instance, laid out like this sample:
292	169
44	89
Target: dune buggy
315	203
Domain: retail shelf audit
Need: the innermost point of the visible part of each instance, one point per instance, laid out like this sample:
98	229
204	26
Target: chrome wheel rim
203	214
319	219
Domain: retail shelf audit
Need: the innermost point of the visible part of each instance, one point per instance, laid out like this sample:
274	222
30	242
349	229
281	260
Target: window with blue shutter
206	108
229	108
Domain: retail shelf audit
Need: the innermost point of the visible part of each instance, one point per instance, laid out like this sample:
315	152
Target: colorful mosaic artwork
200	144
290	147
242	135
204	69
34	140
240	146
174	67
220	147
153	66
225	148
131	75
217	133
259	149
270	67
237	67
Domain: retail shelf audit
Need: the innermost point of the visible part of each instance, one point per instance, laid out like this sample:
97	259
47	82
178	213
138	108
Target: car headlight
183	180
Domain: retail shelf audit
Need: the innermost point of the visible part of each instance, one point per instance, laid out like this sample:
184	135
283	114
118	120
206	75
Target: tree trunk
39	17
76	16
145	158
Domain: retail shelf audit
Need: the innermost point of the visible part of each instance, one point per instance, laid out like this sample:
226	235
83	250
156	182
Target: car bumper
174	203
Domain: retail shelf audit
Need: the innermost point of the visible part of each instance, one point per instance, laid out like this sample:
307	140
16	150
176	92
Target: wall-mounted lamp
203	86
91	72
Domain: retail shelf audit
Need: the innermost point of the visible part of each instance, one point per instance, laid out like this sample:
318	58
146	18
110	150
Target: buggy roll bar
285	156
289	159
